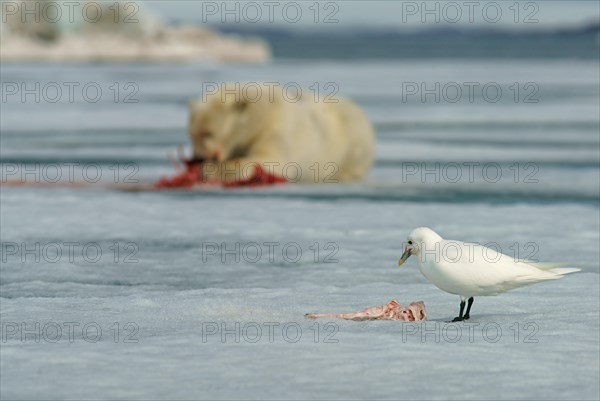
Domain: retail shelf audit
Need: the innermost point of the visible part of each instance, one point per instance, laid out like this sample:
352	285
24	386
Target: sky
309	14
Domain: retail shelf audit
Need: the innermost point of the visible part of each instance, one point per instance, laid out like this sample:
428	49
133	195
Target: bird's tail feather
544	266
564	270
556	268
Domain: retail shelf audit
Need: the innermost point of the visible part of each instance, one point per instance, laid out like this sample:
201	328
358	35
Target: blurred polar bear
299	137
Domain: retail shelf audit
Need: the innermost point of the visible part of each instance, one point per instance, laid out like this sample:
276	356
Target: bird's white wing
557	268
472	269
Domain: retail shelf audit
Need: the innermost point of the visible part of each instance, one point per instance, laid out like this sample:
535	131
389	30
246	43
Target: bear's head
225	122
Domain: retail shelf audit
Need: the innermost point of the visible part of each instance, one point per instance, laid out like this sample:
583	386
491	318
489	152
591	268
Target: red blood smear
260	178
191	176
187	178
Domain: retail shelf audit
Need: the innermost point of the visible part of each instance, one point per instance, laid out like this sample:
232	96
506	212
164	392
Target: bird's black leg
469	304
460	317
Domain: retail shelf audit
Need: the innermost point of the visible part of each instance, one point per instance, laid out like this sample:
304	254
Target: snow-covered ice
182	319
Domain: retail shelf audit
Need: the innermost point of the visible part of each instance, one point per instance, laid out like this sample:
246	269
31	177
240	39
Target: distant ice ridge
115	31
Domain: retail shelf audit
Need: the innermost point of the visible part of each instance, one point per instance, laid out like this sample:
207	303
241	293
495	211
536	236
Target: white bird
469	269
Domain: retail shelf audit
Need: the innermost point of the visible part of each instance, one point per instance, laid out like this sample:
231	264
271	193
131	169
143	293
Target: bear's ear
240	105
192	104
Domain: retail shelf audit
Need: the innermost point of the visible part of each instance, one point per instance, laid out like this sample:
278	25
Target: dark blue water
445	43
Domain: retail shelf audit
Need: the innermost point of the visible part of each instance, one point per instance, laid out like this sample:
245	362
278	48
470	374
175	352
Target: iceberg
117	31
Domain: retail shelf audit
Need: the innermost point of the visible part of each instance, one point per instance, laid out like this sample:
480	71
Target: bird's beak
404	256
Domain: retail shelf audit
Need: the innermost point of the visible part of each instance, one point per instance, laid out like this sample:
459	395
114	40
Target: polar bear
239	130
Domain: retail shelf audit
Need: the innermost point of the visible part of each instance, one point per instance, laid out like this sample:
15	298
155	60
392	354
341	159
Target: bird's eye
410	242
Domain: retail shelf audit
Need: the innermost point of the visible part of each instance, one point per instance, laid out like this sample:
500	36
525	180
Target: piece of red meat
190	175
